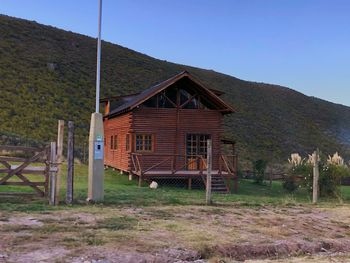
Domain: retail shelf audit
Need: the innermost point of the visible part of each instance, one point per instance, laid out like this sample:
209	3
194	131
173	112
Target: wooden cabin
162	132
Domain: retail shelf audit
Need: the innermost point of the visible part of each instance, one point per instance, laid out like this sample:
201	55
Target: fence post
209	167
84	155
52	173
271	171
316	173
235	186
60	136
70	161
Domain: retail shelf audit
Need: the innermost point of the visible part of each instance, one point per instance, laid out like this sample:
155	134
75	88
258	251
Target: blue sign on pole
98	151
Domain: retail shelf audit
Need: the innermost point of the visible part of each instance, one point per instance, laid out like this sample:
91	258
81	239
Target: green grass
119	191
117	223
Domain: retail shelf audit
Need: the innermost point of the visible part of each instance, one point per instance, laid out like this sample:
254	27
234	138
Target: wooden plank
21	167
20	170
184	172
70	160
59	157
52	174
133	162
29	183
47	172
6	164
16	194
26	172
20	148
29	169
158	164
24	183
12	159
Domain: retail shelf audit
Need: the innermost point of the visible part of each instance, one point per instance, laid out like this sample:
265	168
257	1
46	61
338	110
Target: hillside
48	74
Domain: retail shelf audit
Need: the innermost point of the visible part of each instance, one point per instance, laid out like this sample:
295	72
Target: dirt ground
177	234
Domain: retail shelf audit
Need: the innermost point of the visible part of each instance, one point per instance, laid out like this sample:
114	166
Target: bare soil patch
176	234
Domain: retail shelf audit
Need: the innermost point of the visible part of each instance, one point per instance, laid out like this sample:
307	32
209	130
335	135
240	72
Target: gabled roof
138	99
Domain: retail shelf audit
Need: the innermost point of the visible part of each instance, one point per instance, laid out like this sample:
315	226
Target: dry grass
150	230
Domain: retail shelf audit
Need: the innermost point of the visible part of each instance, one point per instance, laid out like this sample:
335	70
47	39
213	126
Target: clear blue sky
302	44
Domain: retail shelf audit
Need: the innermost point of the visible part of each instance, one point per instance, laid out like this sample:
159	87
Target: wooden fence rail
15	169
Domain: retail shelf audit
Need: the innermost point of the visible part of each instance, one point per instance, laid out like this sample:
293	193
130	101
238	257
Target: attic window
151	102
178	97
184	96
171	94
192	104
164	101
161	100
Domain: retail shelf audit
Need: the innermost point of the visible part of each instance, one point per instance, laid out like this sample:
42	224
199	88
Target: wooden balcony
158	166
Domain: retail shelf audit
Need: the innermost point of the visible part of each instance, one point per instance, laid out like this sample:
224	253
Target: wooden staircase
218	184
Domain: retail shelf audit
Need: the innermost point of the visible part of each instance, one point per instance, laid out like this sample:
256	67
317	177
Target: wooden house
161	133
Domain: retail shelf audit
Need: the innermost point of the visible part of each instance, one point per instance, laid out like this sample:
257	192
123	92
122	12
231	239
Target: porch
150	167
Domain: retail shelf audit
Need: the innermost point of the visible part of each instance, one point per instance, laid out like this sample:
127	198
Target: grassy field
119	191
169	224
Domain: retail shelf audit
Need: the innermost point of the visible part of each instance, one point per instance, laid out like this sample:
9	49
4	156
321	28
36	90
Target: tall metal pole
96	137
98	70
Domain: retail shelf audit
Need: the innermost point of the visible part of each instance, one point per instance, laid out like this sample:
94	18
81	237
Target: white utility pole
96	137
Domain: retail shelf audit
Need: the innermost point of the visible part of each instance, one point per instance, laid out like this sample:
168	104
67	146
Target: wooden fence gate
26	166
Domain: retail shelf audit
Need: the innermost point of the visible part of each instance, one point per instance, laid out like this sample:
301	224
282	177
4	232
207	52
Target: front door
196	146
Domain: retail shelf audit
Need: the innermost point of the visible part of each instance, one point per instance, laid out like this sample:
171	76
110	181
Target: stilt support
189	183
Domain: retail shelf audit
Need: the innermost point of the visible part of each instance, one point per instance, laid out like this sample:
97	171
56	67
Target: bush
330	179
290	184
259	167
296	175
331	173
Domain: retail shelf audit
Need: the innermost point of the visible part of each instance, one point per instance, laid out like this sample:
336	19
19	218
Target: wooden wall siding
161	123
119	126
201	122
170	134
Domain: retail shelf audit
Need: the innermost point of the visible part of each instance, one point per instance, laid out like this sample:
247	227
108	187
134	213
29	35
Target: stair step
219	191
219	187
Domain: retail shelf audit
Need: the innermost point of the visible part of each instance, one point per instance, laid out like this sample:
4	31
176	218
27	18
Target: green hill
48	74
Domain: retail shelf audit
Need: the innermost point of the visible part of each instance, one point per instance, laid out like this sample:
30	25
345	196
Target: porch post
209	167
189	183
140	180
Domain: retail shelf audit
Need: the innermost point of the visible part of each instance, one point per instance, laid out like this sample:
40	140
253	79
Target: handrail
133	162
136	161
204	161
187	163
157	164
226	164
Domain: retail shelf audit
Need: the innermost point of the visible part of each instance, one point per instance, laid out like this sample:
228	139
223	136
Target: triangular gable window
173	97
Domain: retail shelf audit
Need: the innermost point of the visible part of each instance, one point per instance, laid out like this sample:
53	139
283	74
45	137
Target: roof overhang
139	98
